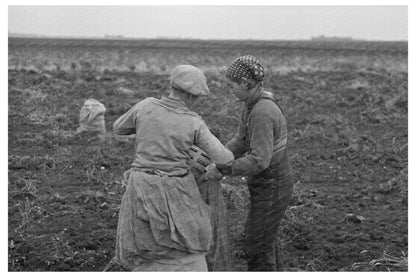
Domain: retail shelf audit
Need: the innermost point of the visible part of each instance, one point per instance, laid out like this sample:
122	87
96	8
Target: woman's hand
212	172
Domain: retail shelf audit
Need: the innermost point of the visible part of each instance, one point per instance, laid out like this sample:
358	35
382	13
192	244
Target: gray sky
218	22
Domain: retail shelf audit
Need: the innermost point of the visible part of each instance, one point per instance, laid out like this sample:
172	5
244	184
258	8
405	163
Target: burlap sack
91	117
219	255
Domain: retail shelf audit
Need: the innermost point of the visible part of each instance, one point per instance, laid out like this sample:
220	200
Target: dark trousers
269	198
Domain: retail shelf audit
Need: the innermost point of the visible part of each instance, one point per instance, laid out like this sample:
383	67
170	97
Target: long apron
164	225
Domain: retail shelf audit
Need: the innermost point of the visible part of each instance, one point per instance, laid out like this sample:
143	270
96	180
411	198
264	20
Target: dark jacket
262	136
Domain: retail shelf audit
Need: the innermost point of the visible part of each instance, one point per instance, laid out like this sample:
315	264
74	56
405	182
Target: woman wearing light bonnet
164	225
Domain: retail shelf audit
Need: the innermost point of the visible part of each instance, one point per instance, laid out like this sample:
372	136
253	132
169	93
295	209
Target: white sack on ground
91	117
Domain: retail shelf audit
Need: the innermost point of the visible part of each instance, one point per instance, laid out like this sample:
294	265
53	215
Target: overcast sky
218	22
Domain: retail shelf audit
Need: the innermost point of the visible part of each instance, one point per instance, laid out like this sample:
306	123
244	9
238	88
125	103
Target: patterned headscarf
245	66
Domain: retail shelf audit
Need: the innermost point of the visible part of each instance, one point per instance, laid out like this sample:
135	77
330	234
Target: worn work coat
164	224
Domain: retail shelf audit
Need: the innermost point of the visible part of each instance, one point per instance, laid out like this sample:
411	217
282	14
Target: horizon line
121	37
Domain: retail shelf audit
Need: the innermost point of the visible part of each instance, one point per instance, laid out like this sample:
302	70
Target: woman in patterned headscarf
260	153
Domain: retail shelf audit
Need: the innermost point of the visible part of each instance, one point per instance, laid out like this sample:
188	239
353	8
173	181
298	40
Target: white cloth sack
91	117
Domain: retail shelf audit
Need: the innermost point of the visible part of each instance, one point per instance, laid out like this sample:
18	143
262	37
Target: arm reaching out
126	124
218	153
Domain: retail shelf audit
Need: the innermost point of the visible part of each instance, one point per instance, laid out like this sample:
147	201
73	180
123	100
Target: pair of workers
164	224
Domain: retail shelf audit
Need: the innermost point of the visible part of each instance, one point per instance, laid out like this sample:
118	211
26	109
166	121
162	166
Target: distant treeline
325	38
319	43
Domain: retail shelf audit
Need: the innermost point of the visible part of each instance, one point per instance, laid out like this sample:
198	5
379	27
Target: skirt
162	219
